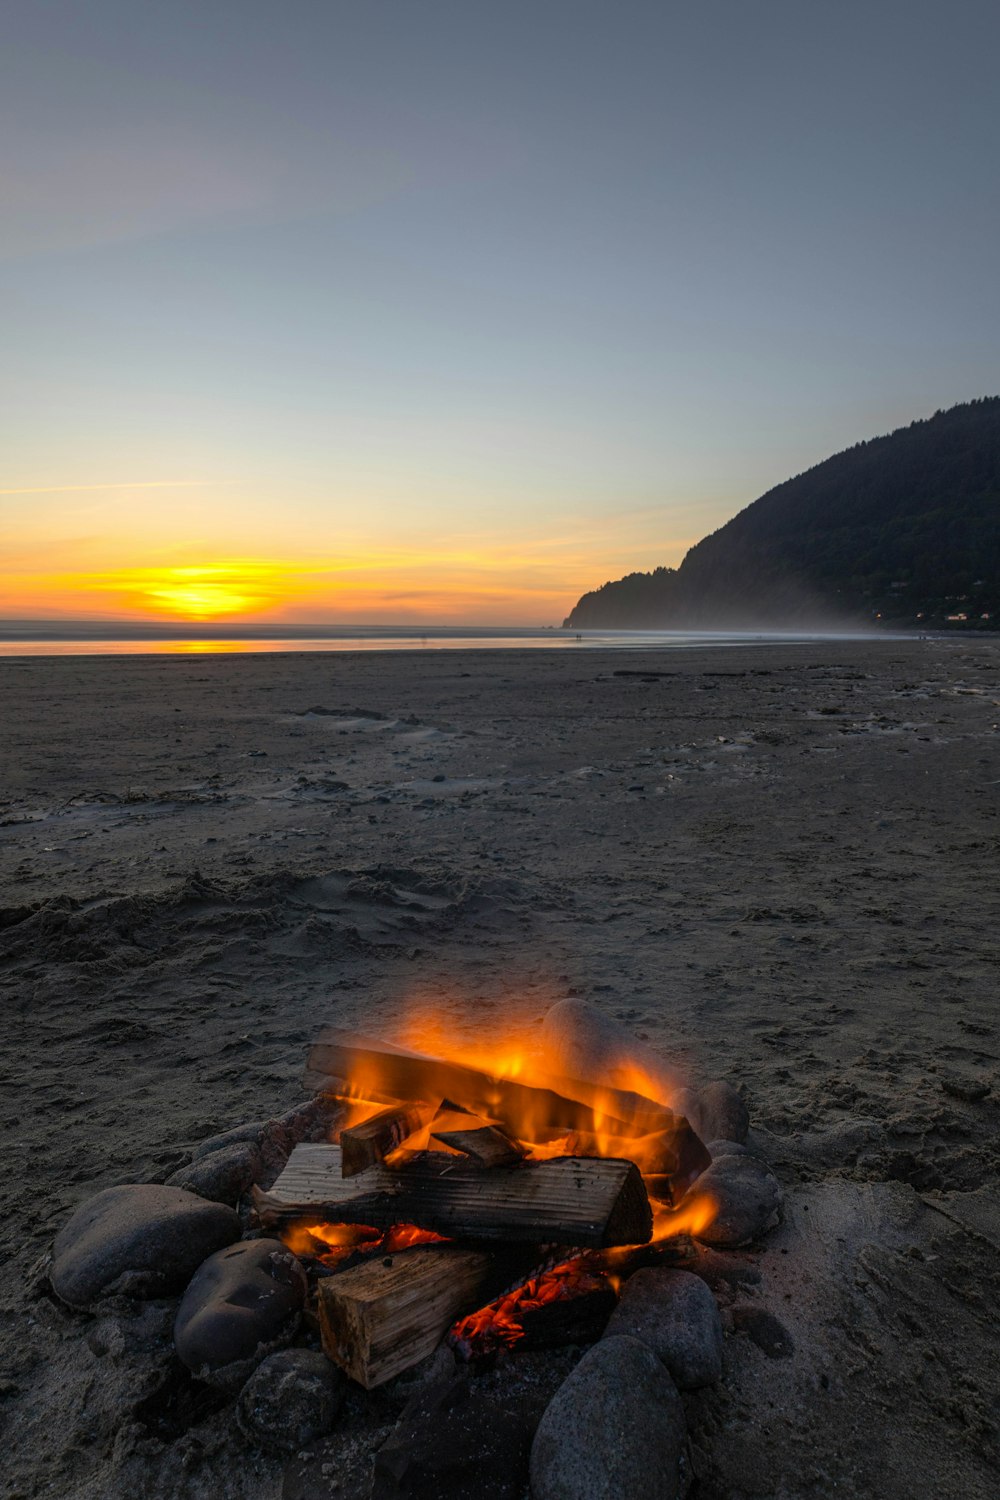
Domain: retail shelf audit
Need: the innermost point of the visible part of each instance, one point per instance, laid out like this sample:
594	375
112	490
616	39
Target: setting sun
201	593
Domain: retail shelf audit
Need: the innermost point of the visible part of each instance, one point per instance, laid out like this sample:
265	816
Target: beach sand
776	863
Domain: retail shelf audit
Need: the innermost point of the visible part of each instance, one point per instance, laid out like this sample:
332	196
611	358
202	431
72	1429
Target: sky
406	311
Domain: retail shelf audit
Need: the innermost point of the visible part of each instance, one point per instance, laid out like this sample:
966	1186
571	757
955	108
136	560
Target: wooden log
486	1146
364	1145
674	1158
589	1201
382	1317
529	1113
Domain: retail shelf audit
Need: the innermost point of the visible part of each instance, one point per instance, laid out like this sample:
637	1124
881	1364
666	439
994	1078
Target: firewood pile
442	1160
420	1203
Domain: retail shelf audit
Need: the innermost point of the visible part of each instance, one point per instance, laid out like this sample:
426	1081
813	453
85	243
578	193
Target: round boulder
223	1175
141	1240
722	1113
615	1428
674	1314
580	1041
748	1196
716	1149
289	1400
241	1305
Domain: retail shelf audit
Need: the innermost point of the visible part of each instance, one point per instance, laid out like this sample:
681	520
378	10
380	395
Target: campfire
493	1201
431	1198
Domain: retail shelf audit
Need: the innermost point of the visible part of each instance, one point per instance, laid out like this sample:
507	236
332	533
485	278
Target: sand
778	864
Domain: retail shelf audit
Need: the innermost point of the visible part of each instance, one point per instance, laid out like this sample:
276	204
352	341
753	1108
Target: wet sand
778	864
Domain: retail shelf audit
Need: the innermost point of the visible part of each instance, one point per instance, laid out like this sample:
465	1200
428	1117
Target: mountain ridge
901	529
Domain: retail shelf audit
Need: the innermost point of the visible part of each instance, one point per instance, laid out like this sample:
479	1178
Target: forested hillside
904	529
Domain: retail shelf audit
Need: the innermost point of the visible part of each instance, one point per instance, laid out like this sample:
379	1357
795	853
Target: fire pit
472	1183
430	1199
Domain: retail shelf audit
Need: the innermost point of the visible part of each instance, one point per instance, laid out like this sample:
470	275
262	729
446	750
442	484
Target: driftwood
371	1142
487	1145
378	1068
382	1317
568	1200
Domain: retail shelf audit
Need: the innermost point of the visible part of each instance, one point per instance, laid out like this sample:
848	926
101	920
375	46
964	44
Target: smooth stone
141	1241
717	1149
252	1132
748	1196
722	1113
222	1176
674	1314
290	1400
242	1304
614	1429
312	1120
580	1041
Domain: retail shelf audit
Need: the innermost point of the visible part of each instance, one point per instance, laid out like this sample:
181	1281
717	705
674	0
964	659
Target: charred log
369	1143
487	1146
568	1200
379	1068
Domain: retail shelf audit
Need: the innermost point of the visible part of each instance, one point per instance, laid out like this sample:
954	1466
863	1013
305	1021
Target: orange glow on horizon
460	587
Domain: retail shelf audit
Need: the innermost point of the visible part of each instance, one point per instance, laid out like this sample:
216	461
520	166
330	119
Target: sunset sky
423	311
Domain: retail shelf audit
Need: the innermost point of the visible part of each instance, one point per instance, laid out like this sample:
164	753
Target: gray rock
290	1400
726	1148
312	1120
748	1196
685	1102
722	1113
222	1176
251	1132
580	1041
242	1305
142	1241
675	1315
614	1429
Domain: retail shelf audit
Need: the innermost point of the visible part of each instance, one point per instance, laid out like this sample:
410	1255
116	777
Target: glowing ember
331	1244
499	1324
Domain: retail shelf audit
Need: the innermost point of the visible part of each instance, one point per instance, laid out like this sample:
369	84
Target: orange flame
517	1058
330	1244
500	1322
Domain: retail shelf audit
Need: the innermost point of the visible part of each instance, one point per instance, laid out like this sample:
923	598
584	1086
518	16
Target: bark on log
588	1201
529	1113
371	1142
380	1318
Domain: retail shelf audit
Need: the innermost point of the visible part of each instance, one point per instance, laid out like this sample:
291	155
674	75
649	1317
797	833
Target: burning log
671	1159
371	1142
382	1317
486	1145
591	1201
569	1104
570	1301
575	1320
